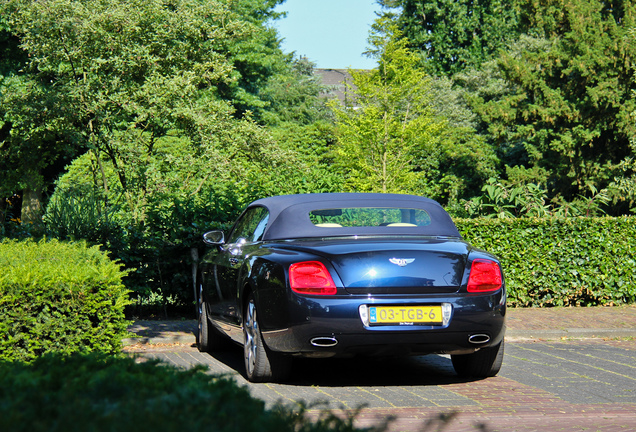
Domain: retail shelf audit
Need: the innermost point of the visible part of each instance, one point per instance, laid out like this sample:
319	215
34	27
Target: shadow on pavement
426	370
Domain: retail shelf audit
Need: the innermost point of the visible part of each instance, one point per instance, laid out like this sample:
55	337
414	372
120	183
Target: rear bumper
319	327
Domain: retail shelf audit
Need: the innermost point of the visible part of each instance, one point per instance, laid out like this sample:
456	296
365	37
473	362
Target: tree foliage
169	99
403	132
570	113
552	85
454	35
172	115
101	75
173	194
294	96
36	136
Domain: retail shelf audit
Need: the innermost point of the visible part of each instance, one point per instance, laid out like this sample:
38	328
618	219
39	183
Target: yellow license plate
405	315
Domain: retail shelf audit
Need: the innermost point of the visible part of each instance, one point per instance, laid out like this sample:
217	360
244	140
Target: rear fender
267	282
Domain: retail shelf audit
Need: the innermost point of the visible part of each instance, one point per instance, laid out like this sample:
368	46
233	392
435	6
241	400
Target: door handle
234	261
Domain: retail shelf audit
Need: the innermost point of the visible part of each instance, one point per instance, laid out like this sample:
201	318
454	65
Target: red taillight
311	277
485	276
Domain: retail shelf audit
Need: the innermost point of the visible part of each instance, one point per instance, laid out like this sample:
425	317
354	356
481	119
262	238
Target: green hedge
109	393
59	297
561	261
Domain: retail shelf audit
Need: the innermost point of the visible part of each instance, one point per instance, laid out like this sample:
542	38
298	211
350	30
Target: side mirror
214	238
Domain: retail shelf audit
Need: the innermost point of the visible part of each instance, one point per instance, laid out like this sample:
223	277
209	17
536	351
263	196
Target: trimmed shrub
106	393
561	261
59	297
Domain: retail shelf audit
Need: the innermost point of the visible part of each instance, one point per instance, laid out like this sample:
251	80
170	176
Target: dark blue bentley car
322	275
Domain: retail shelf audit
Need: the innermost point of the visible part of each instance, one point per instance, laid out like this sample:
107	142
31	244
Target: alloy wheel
251	338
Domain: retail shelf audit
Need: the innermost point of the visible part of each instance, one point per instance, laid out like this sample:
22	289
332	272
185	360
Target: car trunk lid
423	266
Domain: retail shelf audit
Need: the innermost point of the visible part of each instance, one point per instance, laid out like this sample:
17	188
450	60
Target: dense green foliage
138	125
59	297
106	393
455	34
114	78
391	136
380	143
174	193
170	119
552	83
561	261
569	117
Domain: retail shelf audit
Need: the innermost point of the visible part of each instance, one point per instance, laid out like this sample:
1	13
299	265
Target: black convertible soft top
289	215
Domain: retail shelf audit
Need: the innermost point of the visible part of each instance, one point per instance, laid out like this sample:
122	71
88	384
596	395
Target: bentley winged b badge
401	261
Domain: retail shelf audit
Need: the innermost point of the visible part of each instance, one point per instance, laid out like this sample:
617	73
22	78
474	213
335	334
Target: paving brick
548	382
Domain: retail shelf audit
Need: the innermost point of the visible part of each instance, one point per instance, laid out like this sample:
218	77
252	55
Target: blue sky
331	33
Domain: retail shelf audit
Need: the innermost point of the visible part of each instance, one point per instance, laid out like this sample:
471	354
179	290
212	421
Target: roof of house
337	80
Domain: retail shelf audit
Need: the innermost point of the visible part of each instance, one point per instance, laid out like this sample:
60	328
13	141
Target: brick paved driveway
567	385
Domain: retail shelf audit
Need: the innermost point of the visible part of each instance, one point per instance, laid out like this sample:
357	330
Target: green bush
59	297
156	250
105	393
561	261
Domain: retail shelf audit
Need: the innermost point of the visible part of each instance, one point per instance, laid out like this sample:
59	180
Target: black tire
261	364
203	335
482	364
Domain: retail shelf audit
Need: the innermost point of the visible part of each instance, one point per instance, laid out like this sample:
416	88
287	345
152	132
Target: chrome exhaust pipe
478	338
324	342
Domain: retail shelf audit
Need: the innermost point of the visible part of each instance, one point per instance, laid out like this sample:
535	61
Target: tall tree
36	137
392	136
569	114
256	59
403	131
103	74
454	34
391	124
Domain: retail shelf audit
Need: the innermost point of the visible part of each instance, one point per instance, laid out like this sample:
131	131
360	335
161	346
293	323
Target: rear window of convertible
369	216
